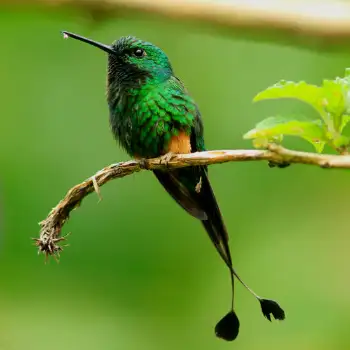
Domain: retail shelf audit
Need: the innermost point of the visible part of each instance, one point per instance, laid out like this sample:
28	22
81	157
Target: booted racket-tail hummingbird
151	115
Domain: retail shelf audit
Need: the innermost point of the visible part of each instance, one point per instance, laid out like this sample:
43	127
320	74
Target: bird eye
139	52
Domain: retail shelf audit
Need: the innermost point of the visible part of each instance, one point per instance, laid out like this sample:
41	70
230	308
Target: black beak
101	46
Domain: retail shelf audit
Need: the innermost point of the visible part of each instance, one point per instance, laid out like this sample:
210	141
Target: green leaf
302	91
334	96
331	100
272	129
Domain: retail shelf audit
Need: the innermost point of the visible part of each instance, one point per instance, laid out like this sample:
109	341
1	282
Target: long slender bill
101	46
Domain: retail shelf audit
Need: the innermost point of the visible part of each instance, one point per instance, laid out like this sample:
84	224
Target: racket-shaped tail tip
269	307
228	327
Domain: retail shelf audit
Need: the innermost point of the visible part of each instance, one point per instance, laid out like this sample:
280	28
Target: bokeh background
139	272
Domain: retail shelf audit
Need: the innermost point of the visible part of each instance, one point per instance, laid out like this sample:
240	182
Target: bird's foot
166	158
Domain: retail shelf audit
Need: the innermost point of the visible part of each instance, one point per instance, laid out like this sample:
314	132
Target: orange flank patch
180	144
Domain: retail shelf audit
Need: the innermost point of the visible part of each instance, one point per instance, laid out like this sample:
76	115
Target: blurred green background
139	272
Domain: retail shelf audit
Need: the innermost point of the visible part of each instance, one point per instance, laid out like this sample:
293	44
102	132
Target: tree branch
49	239
315	24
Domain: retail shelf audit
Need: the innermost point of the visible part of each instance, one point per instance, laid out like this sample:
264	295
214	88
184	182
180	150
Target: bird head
132	62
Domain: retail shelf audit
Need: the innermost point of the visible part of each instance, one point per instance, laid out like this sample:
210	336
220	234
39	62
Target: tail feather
215	226
199	201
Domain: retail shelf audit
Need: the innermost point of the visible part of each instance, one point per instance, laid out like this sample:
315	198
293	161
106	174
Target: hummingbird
152	115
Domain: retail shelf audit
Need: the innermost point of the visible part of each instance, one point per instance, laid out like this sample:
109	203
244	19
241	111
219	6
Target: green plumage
152	115
148	111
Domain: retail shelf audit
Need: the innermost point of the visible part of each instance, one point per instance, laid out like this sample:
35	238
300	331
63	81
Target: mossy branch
50	234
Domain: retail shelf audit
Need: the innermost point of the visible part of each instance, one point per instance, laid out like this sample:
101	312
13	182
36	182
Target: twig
312	23
51	227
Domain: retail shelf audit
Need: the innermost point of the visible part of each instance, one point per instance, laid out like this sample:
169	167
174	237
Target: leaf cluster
331	101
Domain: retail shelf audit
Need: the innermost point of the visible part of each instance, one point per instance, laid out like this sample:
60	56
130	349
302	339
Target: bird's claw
166	158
